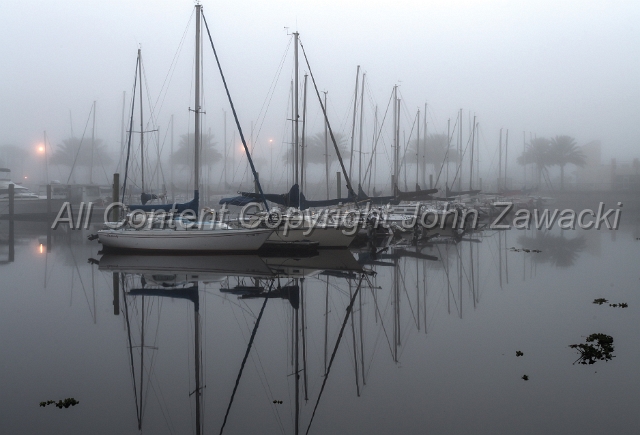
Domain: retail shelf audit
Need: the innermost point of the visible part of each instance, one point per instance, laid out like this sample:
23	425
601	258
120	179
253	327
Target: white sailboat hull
218	240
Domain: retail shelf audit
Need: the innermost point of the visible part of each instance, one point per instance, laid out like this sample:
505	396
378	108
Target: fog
545	68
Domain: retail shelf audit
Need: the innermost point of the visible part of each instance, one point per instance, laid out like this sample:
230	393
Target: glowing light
41	248
41	149
25	177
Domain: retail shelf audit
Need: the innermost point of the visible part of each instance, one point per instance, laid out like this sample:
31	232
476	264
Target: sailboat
192	236
324	233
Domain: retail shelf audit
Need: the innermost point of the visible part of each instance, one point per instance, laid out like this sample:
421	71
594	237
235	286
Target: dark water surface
429	347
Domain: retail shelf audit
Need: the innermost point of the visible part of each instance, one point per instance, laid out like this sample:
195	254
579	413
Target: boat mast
355	351
478	179
418	148
524	161
353	124
473	140
326	321
500	161
226	149
124	95
446	157
141	362
304	124
397	146
394	177
373	151
295	110
197	356
196	165
297	368
364	75
293	139
506	153
460	151
173	193
326	152
93	142
424	151
141	123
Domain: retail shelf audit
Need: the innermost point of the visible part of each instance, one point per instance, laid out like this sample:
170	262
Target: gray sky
548	67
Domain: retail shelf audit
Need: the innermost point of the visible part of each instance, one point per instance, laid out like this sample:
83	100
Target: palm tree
75	152
564	150
437	150
183	156
314	149
538	152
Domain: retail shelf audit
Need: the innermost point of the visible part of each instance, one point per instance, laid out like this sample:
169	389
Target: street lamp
42	149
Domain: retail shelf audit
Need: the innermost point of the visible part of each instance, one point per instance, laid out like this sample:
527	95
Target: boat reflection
143	278
376	302
175	268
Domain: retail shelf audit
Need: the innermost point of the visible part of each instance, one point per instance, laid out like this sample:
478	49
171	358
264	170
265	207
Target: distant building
625	175
598	176
594	175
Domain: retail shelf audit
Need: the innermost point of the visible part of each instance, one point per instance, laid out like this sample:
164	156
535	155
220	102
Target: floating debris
70	401
277	402
519	353
600	301
525	377
598	347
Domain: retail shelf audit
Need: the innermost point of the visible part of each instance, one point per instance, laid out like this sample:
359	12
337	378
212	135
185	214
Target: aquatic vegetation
525	377
519	353
537	251
598	347
69	401
601	301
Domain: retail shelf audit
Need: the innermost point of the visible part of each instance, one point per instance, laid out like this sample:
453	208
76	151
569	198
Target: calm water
429	347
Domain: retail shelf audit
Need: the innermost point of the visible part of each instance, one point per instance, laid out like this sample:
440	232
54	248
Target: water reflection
292	342
141	306
143	277
557	250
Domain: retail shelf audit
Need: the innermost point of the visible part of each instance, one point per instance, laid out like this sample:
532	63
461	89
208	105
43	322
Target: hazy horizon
545	68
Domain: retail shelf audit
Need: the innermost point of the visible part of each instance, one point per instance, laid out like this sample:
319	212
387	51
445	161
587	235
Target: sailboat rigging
183	234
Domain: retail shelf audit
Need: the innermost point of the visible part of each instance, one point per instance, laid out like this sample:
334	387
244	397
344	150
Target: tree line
558	151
